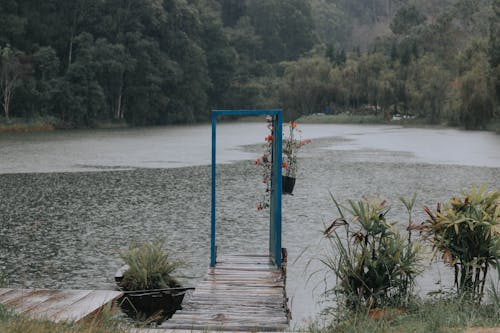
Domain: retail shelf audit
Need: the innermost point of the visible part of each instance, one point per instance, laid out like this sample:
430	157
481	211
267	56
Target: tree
11	72
285	27
114	64
12	25
307	88
406	19
494	45
428	88
475	87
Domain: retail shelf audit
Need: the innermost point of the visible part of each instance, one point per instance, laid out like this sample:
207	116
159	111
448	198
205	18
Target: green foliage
466	231
307	86
406	19
143	62
445	314
149	267
374	265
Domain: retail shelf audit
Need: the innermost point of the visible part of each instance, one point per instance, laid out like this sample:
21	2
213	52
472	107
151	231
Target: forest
84	63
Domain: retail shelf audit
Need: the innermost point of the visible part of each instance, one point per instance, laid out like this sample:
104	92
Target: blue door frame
275	204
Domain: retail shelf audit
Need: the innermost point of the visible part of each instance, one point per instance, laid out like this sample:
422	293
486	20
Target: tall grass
447	314
106	322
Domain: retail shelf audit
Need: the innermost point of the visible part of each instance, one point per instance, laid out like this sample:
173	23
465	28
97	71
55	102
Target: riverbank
346	118
47	124
21	125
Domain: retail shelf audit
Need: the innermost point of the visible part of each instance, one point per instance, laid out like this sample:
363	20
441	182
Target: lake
71	200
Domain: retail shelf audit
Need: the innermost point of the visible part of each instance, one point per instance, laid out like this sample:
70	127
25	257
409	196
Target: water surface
71	199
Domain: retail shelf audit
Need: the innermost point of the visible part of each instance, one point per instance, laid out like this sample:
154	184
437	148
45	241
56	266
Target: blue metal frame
275	205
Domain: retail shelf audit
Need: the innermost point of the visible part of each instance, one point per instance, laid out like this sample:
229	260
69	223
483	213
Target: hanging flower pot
291	144
287	184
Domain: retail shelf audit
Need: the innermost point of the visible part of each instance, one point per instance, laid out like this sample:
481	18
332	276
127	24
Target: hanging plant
291	143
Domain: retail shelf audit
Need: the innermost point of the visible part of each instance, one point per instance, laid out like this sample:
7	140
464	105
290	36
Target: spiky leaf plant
149	267
374	265
466	231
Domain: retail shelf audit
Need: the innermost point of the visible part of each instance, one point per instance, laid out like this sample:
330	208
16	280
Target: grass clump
149	267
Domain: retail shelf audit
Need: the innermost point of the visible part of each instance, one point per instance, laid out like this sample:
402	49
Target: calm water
71	200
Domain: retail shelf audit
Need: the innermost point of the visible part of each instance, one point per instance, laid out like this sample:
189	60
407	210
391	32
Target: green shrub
466	231
373	264
149	267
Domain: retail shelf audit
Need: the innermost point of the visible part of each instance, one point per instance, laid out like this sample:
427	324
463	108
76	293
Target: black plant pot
159	305
287	184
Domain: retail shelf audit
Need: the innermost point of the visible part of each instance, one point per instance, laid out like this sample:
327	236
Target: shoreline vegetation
48	124
169	62
432	315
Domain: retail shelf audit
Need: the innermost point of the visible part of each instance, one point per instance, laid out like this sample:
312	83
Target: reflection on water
62	230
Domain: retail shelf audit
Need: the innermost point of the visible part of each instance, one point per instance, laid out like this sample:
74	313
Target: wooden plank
29	300
13	294
240	293
56	305
4	290
86	306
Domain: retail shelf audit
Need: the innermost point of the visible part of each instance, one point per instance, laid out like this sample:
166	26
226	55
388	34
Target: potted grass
150	289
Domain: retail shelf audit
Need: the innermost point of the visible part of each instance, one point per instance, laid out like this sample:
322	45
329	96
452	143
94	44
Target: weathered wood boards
242	293
57	305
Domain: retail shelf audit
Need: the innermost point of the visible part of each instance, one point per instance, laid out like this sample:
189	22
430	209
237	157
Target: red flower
293	124
285	165
257	161
269	138
259	207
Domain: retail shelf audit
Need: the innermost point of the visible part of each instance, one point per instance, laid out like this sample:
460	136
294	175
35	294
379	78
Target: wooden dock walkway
242	293
56	305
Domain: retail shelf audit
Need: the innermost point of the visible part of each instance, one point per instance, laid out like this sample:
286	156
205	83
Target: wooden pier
57	305
242	293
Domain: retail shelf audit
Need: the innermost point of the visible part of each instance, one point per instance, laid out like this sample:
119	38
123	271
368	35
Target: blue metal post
275	209
214	146
278	187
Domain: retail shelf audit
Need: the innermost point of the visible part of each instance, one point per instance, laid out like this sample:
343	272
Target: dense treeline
86	62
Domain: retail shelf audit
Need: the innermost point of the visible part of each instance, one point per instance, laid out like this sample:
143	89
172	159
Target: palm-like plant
374	265
466	230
